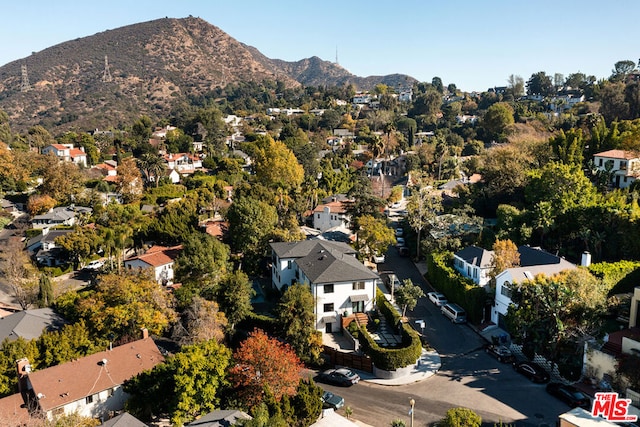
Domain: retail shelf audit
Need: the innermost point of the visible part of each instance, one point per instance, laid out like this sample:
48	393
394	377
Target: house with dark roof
123	420
474	263
159	260
90	386
220	418
29	324
65	215
340	283
43	247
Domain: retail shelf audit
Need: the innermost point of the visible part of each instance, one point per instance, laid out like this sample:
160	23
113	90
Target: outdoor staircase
361	319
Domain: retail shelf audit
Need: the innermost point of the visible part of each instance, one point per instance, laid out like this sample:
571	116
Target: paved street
468	376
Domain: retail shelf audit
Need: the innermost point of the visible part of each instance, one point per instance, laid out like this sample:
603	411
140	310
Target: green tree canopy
203	259
186	386
298	320
408	294
374	236
461	417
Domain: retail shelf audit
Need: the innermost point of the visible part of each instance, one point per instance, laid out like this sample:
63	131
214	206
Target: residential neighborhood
377	252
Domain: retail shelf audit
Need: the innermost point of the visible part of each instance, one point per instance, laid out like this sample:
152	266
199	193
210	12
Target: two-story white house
159	260
624	165
340	284
331	214
533	261
474	263
68	153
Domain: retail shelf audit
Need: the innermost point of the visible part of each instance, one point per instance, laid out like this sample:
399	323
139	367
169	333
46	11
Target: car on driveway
341	376
533	371
94	265
330	400
569	395
500	352
437	298
393	281
399	241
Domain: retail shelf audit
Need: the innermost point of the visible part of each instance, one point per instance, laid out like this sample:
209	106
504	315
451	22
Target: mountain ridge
153	65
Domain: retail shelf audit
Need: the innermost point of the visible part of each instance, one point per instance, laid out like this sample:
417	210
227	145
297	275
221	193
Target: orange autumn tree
264	363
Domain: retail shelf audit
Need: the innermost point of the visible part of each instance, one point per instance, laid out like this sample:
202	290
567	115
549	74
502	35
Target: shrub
456	288
461	417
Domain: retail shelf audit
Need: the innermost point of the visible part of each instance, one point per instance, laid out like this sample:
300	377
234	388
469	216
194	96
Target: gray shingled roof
29	324
124	420
220	418
325	264
476	256
305	247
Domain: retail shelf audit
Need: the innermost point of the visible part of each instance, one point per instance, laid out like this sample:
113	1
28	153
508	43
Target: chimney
586	259
23	368
145	333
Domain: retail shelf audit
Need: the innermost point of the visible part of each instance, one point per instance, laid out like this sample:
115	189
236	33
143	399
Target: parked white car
437	298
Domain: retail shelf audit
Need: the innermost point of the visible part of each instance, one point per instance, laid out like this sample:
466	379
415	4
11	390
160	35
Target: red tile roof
75	380
618	154
157	256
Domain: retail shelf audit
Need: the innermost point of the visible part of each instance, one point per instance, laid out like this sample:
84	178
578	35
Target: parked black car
500	352
533	371
569	395
341	376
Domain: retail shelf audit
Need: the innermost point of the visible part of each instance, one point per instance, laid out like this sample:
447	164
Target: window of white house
475	273
88	399
289	264
357	286
328	289
505	289
328	307
623	165
318	216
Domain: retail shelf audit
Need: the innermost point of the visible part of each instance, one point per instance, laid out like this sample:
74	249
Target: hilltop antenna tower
25	86
337	63
106	76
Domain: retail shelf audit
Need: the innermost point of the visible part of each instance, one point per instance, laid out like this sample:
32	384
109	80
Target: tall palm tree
152	165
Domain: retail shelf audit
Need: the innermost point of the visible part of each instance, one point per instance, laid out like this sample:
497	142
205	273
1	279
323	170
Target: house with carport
340	284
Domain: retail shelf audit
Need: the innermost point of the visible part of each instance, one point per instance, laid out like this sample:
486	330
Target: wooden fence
355	361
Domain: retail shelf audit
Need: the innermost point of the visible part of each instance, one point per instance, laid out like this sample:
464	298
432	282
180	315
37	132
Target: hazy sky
475	44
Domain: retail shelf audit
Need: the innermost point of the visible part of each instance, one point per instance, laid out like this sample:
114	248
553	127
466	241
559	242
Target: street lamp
412	402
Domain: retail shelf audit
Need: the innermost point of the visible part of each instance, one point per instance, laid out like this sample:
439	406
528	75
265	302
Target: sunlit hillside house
159	260
340	284
68	153
624	166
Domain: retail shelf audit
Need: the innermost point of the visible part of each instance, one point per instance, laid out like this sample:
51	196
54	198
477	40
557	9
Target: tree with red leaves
263	363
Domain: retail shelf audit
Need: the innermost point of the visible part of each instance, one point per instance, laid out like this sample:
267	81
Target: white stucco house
533	261
474	263
159	260
331	214
90	386
624	165
340	284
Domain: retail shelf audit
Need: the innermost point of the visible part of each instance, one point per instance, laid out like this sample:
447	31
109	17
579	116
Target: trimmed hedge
456	288
618	277
390	359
